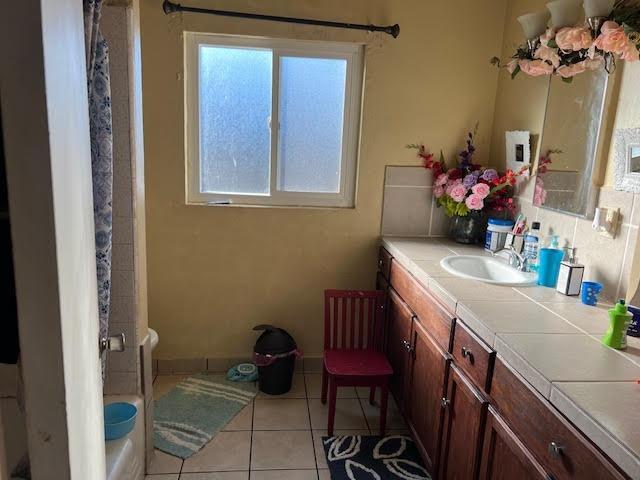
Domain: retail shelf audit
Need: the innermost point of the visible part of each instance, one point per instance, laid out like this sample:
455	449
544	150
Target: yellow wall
214	272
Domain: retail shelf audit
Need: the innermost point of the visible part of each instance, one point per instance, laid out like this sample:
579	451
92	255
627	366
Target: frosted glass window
311	109
235	112
271	121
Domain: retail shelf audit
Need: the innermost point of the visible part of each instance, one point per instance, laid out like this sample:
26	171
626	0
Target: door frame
46	133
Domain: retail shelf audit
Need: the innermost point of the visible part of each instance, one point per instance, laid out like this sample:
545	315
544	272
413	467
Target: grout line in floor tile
253	414
313	443
366	420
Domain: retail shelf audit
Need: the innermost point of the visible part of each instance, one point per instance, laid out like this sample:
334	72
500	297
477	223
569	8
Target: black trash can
275	354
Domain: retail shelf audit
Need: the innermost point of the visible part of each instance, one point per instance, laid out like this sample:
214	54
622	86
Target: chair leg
333	393
384	396
372	396
325	384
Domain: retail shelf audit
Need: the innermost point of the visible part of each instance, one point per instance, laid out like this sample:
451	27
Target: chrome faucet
516	260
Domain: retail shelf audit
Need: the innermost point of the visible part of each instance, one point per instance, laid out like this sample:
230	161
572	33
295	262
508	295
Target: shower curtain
99	91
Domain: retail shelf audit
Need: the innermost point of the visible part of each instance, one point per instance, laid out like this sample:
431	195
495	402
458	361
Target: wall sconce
564	13
534	25
606	221
596	11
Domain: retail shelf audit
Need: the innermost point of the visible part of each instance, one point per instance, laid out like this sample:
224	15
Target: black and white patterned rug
373	458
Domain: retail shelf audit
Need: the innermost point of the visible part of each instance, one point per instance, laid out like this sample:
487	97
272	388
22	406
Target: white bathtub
125	456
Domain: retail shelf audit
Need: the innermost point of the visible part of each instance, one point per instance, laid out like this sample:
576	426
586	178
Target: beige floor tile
164	383
227	451
284	414
321	458
395	420
242	421
165	463
286	450
162	476
215	476
297	389
284	475
324	475
314	387
349	415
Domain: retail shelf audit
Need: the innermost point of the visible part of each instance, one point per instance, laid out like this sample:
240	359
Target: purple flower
490	175
470	180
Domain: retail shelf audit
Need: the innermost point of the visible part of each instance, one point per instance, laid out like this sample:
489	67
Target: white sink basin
487	269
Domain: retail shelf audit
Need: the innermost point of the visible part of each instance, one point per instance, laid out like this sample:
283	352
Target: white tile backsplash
409	208
606	260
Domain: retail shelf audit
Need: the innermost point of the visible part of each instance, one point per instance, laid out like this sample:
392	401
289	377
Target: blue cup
549	261
590	292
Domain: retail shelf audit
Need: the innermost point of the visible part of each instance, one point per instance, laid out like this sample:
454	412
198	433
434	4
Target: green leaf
442	160
567	80
462	210
495	61
516	72
552	43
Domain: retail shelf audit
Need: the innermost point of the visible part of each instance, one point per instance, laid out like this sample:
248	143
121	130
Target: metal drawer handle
407	346
466	353
556	450
380	263
445	402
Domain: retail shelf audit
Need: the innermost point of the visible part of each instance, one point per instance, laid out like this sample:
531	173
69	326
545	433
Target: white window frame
352	53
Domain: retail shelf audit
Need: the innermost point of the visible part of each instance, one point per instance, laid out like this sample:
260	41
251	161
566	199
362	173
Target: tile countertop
553	341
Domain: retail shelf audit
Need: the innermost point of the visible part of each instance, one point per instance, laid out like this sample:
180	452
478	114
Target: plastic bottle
531	247
619	320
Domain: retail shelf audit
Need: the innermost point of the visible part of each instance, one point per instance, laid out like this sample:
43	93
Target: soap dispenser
619	320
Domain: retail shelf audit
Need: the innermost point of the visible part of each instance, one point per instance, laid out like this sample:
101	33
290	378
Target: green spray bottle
619	320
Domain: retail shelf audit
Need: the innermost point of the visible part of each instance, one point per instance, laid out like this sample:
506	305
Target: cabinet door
429	370
504	456
465	411
398	336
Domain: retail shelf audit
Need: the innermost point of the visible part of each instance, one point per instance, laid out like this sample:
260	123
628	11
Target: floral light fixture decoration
611	32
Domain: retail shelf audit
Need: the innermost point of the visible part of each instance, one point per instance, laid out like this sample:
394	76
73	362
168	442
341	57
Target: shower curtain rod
170	7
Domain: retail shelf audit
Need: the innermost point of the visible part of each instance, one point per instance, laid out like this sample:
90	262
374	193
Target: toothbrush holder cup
549	266
590	292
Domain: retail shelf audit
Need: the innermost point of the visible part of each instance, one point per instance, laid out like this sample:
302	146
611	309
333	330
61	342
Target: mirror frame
625	180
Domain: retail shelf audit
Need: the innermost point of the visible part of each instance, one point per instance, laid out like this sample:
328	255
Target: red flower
455	173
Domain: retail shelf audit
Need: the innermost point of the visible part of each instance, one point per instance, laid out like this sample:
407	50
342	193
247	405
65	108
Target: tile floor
275	438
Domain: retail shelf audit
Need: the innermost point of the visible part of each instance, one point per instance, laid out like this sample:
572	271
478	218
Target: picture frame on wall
518	149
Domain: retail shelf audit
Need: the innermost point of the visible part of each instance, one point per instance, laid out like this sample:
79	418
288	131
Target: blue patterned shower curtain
99	90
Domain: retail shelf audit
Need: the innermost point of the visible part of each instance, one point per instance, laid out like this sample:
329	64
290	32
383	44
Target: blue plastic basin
119	420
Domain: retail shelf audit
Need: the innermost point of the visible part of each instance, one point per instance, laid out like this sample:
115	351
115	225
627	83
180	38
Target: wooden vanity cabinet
504	456
464	418
398	337
428	378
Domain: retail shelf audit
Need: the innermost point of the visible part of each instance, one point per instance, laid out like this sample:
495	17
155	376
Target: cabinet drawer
473	356
432	315
556	444
384	262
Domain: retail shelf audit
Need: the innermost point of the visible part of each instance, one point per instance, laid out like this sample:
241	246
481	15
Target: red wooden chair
353	344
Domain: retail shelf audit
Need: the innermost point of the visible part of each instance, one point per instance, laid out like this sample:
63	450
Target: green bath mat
191	414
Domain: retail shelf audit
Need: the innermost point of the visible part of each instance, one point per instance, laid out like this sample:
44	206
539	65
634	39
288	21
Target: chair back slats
352	319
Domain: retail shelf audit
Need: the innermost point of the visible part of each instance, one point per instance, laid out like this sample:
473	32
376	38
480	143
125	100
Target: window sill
276	207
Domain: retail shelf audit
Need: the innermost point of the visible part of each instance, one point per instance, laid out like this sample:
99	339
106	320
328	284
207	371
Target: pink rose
451	184
481	189
442	179
474	202
549	54
536	68
458	192
595	63
438	191
573	39
549	35
511	66
569	71
612	38
630	53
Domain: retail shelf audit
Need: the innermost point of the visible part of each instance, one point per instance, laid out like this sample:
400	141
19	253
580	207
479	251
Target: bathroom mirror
627	159
572	126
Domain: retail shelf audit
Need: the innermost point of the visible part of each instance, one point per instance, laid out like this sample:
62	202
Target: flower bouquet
569	51
468	192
